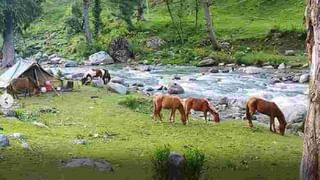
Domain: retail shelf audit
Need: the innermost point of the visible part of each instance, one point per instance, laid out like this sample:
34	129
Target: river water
233	85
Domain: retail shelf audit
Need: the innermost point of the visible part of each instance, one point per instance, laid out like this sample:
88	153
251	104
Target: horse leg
271	123
205	116
174	114
188	109
250	120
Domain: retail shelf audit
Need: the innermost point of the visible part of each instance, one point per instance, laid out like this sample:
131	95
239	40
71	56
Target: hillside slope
244	23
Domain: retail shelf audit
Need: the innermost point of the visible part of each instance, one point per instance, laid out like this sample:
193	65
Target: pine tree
15	16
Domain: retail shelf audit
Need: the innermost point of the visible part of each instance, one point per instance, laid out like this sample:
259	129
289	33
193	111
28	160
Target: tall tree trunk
141	11
86	27
310	169
8	37
212	36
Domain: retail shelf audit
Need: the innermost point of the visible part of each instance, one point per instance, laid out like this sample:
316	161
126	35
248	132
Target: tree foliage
126	10
97	17
73	22
24	12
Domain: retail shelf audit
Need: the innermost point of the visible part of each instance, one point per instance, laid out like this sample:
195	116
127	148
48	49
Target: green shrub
194	163
160	162
26	116
137	104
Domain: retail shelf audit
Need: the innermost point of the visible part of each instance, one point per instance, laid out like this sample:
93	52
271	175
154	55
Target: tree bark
8	37
86	27
207	13
310	169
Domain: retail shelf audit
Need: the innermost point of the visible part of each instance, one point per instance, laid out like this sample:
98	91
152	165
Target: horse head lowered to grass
93	73
268	108
168	102
202	105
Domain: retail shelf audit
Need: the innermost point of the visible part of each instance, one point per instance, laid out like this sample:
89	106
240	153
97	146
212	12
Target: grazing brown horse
92	73
168	102
202	105
22	84
268	108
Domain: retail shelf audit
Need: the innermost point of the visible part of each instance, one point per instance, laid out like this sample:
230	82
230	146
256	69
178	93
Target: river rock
289	53
304	78
145	68
282	66
155	43
207	62
97	82
120	50
149	89
251	70
4	141
296	78
225	70
214	70
275	80
117	88
295	128
118	80
137	84
223	101
69	63
101	57
174	88
100	165
176	77
55	60
268	67
296	114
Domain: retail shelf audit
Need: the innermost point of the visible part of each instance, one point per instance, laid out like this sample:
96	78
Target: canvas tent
28	68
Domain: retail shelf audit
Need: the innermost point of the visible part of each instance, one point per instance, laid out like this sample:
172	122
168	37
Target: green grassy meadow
232	150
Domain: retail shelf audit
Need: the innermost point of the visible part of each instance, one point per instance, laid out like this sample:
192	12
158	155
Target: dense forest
167	32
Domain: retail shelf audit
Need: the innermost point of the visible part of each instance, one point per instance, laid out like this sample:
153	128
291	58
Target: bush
160	162
26	116
137	104
194	163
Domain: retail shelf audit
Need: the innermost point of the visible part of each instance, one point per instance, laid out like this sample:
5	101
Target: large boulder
100	165
296	114
304	78
120	50
97	82
155	42
207	62
176	163
101	57
117	88
175	88
252	70
4	141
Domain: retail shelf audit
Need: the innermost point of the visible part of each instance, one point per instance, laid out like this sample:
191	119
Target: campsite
152	89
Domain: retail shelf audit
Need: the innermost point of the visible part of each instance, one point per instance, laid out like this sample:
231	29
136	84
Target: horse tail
106	75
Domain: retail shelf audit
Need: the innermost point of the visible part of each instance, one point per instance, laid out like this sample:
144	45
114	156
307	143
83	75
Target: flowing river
196	82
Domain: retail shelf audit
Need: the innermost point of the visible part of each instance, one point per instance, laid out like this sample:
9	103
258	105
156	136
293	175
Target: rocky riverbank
227	86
